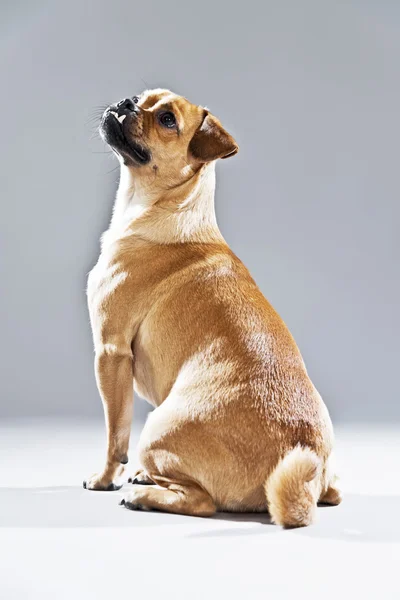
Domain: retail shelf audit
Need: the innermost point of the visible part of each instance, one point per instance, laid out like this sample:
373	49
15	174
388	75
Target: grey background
311	91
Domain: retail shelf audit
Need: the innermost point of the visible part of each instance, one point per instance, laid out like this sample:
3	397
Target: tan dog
238	425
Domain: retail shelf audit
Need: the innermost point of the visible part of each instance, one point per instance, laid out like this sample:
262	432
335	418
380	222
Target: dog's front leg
114	376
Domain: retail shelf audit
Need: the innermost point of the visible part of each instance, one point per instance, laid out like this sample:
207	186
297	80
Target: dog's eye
135	99
167	119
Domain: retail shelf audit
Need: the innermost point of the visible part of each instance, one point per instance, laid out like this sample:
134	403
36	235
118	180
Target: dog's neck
184	213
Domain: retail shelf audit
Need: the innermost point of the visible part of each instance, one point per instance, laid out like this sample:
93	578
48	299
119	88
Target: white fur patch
186	170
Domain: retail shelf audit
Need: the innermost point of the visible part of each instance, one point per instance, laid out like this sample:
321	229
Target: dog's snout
126	104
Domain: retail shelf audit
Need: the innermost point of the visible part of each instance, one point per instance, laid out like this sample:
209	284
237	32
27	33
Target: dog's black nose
126	104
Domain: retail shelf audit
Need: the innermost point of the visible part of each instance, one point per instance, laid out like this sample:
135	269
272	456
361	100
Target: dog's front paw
102	482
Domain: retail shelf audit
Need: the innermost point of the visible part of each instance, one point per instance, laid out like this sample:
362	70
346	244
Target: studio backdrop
311	92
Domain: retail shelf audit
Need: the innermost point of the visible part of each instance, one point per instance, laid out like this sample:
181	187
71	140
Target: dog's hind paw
130	501
141	478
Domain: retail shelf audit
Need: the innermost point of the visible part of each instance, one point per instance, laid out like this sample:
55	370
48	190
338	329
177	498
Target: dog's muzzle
116	128
123	108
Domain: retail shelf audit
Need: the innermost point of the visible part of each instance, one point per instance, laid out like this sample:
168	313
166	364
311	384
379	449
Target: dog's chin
115	135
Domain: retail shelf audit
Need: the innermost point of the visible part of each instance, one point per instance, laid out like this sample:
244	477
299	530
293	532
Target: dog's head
161	135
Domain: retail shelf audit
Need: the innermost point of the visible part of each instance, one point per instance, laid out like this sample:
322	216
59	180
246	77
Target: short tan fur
238	424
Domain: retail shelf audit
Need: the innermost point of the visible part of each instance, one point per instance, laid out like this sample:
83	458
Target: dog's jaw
120	119
115	130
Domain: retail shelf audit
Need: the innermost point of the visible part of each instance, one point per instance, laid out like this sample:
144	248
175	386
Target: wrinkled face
161	135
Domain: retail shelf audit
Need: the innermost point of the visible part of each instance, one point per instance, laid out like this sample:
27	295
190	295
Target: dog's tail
291	489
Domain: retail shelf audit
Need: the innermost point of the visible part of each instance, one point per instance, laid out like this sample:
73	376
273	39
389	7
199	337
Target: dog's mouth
114	131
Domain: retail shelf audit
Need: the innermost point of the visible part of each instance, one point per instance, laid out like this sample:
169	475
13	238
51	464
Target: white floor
59	541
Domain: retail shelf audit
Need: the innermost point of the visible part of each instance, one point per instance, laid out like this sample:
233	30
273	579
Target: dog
175	315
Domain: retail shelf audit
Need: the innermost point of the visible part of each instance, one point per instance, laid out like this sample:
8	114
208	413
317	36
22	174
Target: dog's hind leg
169	456
140	478
330	493
332	496
185	499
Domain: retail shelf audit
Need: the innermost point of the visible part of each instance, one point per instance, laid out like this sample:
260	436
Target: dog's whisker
112	170
95	134
94	130
97	113
93	123
93	120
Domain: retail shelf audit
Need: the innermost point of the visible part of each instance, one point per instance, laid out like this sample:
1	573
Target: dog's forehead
156	98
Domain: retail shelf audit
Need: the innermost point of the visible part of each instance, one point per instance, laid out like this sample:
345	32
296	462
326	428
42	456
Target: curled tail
291	491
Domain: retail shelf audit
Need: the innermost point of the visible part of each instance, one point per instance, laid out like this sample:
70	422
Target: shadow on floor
72	506
360	518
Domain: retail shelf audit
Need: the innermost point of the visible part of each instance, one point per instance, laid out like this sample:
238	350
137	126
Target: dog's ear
211	141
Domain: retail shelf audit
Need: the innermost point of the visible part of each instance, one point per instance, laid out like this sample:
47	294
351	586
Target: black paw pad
132	506
112	487
136	481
